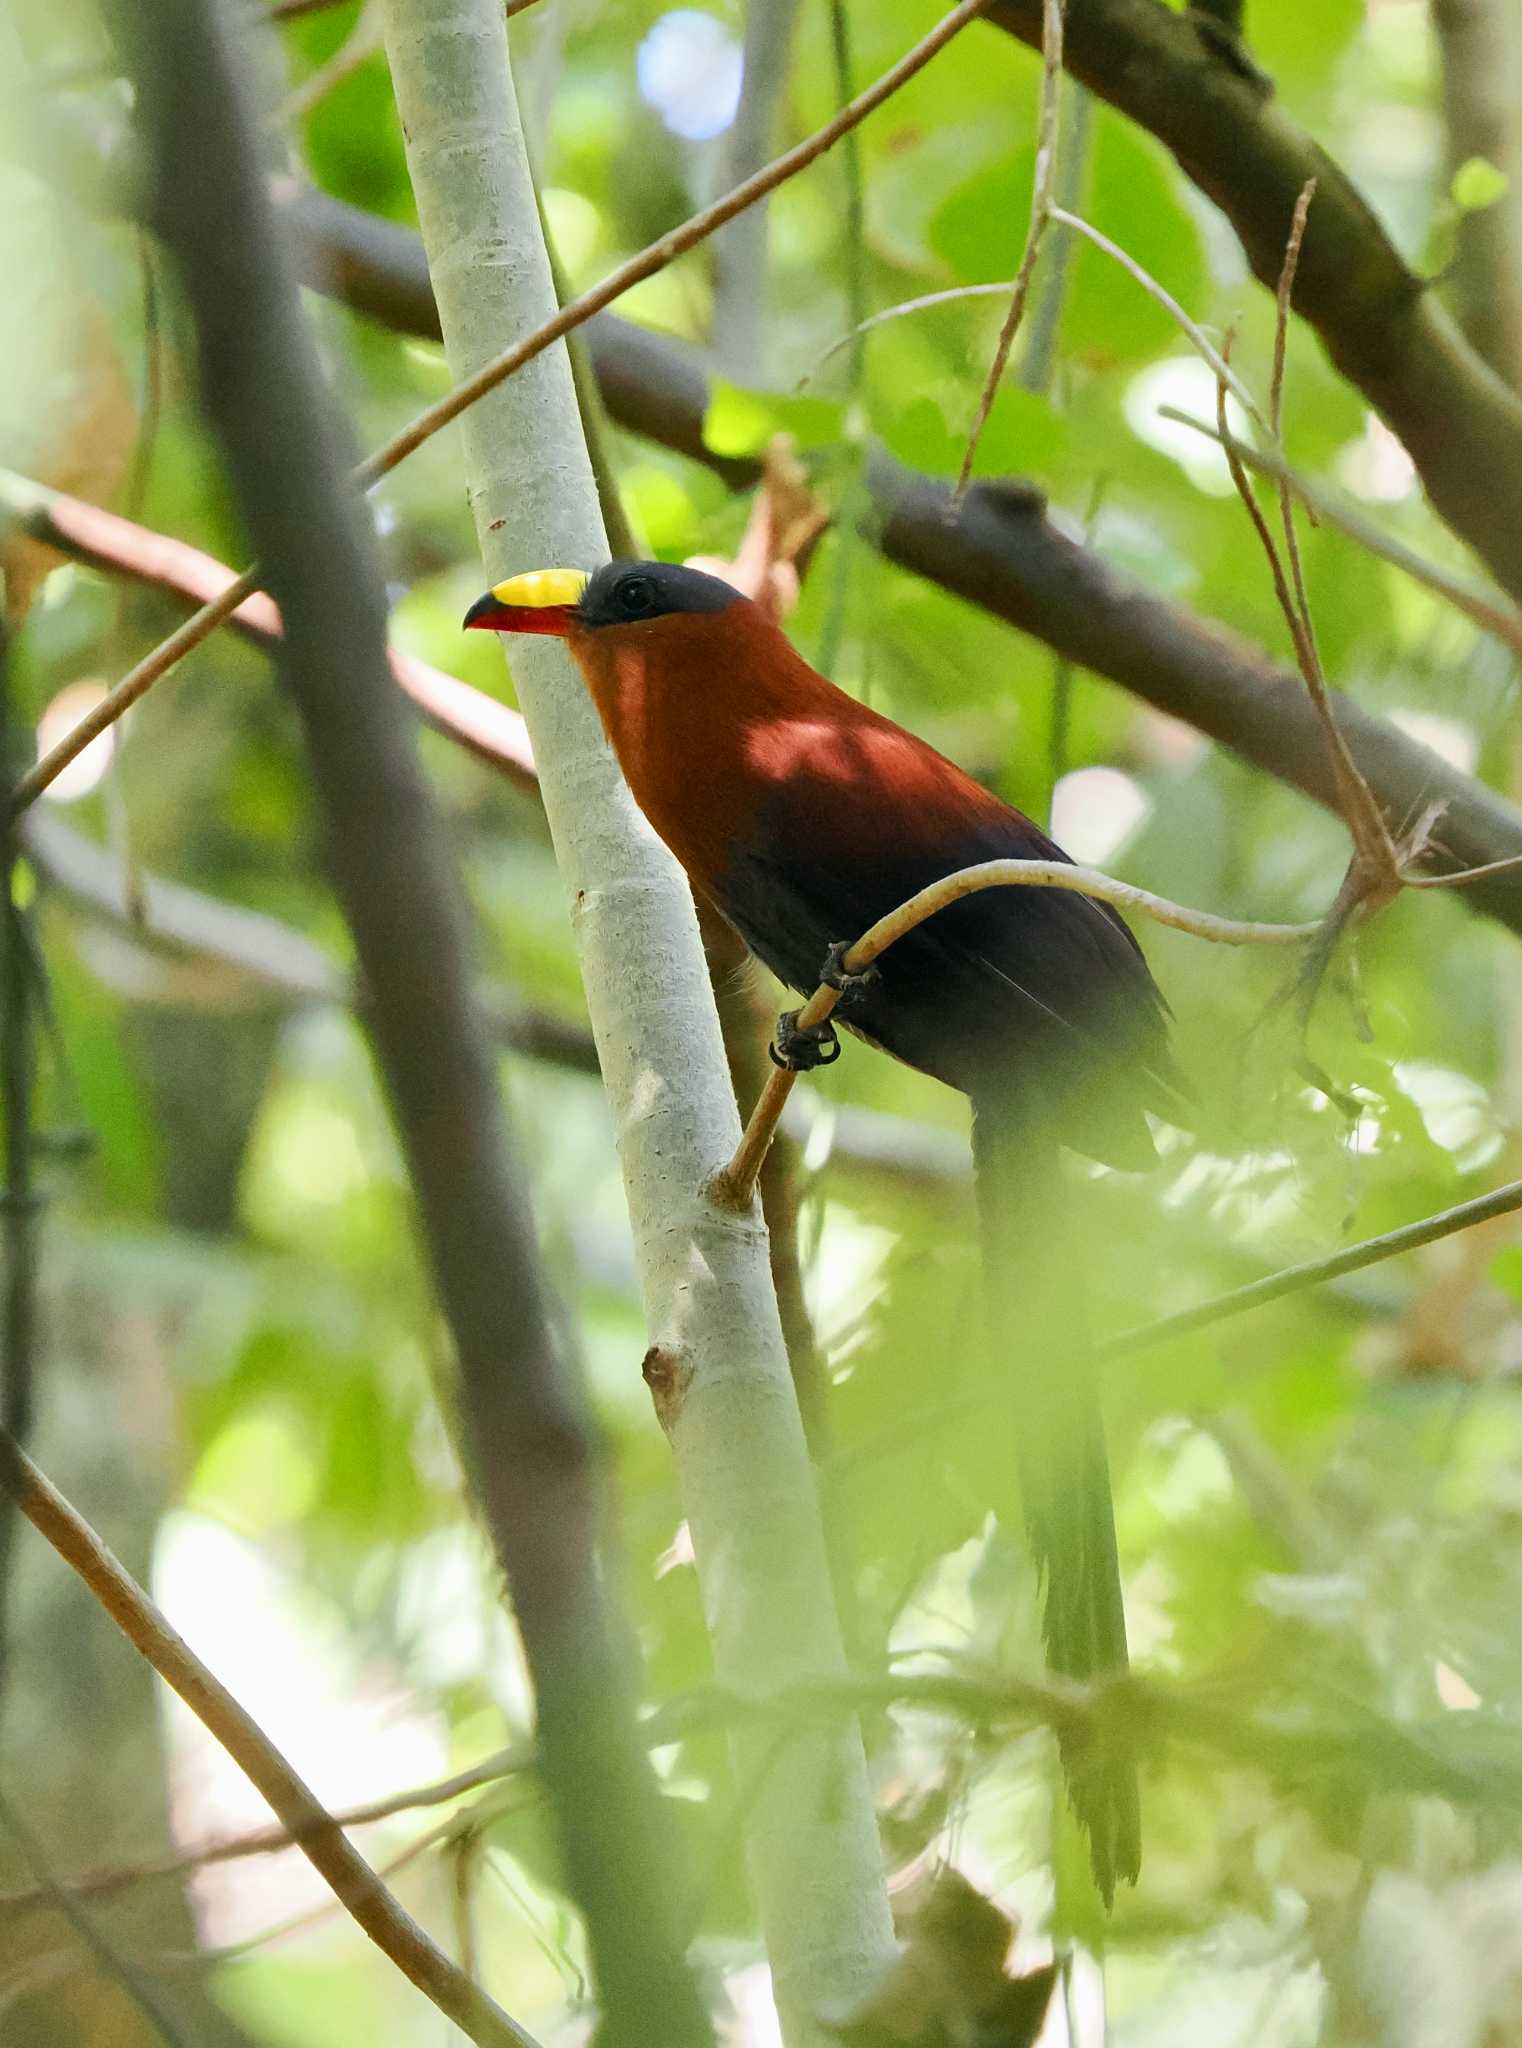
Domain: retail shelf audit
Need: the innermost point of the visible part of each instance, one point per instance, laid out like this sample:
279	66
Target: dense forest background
222	1337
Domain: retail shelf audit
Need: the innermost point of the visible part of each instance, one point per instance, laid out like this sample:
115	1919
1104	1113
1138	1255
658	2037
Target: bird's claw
848	985
798	1049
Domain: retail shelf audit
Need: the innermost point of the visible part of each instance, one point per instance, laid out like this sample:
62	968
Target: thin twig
1313	1272
271	1841
734	1184
667	248
1486	607
667	1724
659	254
302	1814
1365	820
1373	873
494	732
1191	329
135	684
922	304
361	43
1041	213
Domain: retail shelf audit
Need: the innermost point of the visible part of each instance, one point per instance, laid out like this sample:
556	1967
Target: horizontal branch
1000	552
1135	1715
1078	881
109	1882
1382	327
174	918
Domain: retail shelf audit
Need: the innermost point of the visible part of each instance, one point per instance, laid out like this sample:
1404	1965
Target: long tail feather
1035	1305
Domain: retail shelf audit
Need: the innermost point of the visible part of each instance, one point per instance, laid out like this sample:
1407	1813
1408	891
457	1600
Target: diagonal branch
1000	552
493	732
657	256
297	1808
1410	1237
1384	330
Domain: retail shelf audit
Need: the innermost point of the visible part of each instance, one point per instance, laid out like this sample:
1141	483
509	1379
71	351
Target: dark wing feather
1008	988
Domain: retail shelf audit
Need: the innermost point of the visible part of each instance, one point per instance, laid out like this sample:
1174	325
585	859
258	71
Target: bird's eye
636	597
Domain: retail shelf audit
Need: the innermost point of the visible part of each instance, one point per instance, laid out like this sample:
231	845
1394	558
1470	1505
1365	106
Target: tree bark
1382	327
1481	41
525	1424
717	1364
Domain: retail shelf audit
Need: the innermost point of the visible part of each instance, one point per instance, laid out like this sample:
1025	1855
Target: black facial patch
624	593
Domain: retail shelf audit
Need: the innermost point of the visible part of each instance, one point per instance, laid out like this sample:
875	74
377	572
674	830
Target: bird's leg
799	1049
848	986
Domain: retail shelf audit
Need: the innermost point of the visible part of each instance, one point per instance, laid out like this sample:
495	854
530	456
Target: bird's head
568	603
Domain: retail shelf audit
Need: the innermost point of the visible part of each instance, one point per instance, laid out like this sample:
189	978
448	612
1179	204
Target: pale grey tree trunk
732	1417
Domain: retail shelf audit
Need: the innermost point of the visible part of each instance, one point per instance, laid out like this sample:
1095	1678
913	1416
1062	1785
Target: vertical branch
525	1423
739	305
717	1362
1481	43
324	1844
1041	213
18	1192
854	504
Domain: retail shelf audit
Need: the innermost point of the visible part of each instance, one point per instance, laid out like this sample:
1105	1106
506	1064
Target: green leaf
1134	198
741	422
1506	1270
1478	183
1301	39
1022	435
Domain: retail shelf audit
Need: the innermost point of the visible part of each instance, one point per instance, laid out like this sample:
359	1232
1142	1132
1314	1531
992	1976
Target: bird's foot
798	1049
849	986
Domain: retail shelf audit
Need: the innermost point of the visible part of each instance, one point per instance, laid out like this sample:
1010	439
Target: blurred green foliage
1319	1505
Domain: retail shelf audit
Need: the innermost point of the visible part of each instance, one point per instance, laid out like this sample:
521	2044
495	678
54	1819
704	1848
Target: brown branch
528	1437
20	1199
660	254
493	732
1000	553
1373	875
1371	840
298	1809
1383	329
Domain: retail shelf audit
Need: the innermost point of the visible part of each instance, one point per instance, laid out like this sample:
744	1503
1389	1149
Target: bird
803	815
